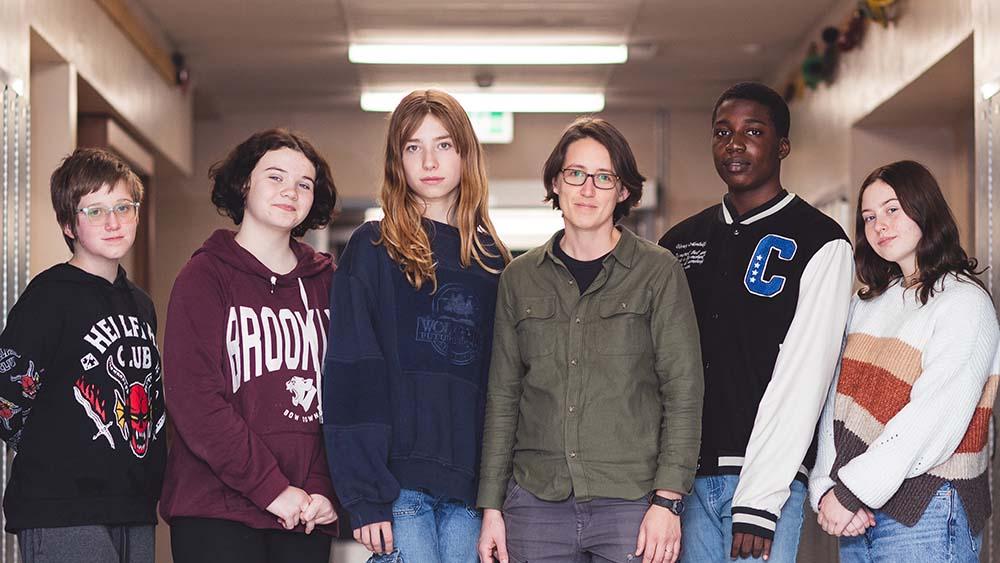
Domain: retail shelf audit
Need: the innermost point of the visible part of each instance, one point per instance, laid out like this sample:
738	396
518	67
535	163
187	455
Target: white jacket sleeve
826	454
788	412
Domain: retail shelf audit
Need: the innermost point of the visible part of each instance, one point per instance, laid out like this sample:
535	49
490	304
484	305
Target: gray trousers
88	544
601	530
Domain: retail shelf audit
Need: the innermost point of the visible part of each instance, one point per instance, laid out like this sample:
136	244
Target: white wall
81	32
885	63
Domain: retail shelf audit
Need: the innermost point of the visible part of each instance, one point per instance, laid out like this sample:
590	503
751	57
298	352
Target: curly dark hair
231	177
938	252
621	157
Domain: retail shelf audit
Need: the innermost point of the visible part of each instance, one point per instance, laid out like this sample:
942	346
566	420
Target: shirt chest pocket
534	321
623	329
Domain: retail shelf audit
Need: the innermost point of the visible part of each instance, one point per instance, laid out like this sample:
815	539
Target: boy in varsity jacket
771	281
81	399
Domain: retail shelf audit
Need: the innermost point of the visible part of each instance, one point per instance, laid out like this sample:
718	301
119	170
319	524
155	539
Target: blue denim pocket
393	557
408	503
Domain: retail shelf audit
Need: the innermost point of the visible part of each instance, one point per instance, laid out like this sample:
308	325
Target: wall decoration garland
820	64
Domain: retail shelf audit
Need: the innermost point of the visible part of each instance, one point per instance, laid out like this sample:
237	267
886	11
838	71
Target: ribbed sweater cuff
364	513
847	498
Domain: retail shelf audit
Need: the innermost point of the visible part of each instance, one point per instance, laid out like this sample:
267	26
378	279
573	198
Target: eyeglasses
125	211
577	177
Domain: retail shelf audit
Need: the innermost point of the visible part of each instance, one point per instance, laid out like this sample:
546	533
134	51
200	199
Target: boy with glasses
771	280
594	405
81	398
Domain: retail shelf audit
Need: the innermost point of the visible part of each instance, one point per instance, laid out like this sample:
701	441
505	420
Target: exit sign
496	127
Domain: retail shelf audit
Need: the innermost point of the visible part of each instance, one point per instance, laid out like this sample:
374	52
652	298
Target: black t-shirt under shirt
584	271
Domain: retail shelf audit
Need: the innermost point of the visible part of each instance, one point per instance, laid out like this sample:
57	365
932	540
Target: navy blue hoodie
404	384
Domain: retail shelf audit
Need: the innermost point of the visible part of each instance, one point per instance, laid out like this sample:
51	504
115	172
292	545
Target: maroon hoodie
241	369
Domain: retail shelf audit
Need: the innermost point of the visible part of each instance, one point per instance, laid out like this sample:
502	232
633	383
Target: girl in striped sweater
901	471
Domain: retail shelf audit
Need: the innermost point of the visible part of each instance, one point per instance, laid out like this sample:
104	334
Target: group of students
600	398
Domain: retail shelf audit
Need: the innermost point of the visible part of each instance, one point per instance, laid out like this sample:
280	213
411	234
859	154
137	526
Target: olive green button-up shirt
595	395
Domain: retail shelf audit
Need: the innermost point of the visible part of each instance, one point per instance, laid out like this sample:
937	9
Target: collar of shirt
623	252
728	213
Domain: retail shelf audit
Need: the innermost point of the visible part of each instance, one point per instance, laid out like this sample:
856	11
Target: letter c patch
756	280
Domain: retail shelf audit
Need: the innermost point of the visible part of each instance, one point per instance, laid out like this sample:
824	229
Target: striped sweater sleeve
791	405
958	359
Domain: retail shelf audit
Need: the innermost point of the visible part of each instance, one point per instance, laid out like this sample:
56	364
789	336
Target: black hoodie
81	401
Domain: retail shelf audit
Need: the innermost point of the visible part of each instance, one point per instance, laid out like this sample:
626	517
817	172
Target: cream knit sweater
911	404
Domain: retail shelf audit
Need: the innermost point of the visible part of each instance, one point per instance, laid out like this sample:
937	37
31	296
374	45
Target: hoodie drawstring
319	370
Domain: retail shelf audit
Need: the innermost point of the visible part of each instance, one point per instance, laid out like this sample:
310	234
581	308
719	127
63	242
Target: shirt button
572	362
578	321
715	316
528	310
707	364
571	282
624	306
572	454
736	232
572	409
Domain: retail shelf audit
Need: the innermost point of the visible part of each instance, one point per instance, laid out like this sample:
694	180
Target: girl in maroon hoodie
245	338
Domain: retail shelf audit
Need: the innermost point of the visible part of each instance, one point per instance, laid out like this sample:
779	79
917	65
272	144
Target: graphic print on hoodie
243	353
81	401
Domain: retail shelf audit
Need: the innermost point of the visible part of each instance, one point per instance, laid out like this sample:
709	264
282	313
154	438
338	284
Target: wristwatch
673	505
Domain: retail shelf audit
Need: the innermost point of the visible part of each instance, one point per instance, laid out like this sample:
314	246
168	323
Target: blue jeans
941	535
429	529
707	522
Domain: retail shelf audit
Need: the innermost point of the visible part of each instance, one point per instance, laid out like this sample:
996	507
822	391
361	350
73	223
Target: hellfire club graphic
133	409
28	381
89	398
7	412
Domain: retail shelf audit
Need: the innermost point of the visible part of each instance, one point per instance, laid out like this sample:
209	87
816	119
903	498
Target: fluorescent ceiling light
990	89
459	54
515	102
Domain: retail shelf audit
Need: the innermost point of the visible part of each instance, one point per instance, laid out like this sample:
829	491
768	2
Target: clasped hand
839	521
295	506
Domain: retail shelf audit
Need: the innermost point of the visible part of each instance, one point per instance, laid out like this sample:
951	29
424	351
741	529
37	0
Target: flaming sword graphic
102	428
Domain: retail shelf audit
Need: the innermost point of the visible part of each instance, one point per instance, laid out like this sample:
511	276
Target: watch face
678	507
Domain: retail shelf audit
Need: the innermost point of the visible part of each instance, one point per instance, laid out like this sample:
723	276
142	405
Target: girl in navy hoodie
410	340
245	339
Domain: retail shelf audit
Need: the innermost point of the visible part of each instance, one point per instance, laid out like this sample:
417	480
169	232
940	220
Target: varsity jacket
242	355
771	291
81	401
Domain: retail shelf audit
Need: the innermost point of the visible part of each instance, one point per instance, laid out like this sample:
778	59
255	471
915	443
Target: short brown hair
85	172
231	177
621	158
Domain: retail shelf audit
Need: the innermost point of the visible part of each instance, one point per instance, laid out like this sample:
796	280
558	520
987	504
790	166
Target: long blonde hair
402	234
